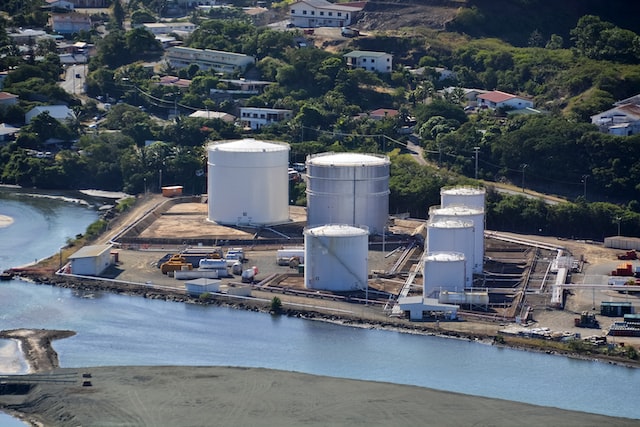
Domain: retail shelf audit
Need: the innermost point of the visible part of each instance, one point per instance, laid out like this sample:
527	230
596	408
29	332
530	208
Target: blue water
123	330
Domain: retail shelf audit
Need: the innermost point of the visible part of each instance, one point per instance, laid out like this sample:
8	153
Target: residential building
158	28
174	81
220	61
58	112
256	117
206	114
380	62
27	36
8	132
622	120
382	113
322	13
60	5
241	87
470	95
69	23
91	3
498	99
7	99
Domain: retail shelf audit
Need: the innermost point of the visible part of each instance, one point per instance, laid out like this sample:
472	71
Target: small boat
6	275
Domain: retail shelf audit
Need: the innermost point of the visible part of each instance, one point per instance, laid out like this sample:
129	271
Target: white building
157	28
70	23
622	120
206	114
256	117
91	260
380	62
58	112
498	99
220	61
321	13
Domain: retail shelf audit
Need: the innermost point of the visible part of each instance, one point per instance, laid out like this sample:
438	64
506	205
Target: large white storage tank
248	182
443	271
348	188
476	215
336	257
472	197
453	235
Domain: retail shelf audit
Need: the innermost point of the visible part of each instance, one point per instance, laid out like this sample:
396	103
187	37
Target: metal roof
91	251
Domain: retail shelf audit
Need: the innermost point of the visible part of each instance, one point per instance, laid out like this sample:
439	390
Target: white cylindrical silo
472	197
348	188
453	235
476	215
336	257
443	271
248	182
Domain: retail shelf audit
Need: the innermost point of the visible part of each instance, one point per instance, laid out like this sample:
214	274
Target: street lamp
524	166
584	181
618	219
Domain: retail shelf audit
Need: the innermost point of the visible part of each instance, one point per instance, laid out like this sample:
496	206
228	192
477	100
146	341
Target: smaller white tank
472	197
465	213
443	271
453	235
336	257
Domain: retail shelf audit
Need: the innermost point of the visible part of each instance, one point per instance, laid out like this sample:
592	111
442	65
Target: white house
256	117
622	120
220	61
157	28
58	112
380	62
470	95
91	260
69	23
7	132
498	99
321	13
206	114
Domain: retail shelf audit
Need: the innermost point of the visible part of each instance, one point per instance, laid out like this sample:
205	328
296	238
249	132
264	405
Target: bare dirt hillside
380	15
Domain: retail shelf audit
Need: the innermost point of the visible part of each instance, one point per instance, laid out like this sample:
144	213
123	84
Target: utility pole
476	150
524	166
584	182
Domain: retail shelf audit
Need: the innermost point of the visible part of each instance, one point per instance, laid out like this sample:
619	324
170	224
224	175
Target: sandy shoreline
231	396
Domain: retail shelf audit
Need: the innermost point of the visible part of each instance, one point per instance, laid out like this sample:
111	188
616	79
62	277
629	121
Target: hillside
401	14
510	20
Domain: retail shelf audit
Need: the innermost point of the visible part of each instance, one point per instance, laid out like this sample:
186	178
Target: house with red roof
383	113
498	99
7	99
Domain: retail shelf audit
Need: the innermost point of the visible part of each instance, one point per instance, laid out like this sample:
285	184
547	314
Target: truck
349	32
586	320
285	256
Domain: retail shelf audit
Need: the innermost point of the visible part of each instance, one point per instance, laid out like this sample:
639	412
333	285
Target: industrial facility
344	245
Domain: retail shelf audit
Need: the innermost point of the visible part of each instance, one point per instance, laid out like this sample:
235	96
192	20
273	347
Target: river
125	330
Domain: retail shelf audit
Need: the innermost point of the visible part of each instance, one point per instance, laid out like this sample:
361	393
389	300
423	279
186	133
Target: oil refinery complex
343	246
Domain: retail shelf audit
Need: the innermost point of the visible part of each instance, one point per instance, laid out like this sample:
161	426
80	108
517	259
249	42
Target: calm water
121	330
